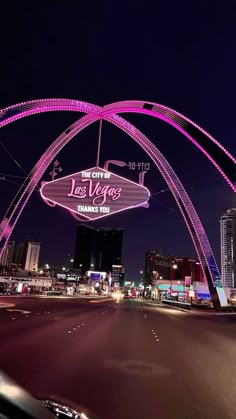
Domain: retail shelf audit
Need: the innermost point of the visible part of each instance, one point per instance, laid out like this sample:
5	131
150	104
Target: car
17	403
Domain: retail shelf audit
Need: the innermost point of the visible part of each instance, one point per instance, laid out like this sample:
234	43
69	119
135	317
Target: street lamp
63	268
173	266
72	260
141	272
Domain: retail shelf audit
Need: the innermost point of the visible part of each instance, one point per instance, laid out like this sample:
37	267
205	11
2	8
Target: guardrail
48	293
185	306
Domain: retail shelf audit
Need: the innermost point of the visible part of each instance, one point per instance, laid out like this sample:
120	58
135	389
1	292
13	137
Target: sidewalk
195	311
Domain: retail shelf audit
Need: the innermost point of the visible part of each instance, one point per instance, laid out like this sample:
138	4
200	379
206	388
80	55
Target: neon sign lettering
94	193
100	193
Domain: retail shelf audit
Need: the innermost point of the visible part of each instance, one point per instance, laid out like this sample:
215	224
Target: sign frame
99	214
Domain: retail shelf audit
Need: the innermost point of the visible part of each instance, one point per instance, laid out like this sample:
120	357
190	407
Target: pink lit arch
216	153
188	212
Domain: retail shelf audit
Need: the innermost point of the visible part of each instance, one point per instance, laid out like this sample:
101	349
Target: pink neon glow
38	171
113	190
162	165
137	107
33	107
100	193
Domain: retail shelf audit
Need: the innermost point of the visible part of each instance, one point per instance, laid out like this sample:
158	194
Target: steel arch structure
109	113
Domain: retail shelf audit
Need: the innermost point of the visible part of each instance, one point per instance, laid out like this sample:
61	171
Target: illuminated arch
216	153
193	222
190	216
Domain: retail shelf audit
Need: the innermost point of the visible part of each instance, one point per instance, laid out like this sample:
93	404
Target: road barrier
48	293
185	306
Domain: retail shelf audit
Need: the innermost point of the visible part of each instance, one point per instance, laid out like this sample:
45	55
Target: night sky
180	54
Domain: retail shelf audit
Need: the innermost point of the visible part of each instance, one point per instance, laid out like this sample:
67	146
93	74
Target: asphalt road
127	360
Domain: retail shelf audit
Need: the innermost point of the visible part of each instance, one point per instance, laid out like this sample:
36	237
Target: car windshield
117	206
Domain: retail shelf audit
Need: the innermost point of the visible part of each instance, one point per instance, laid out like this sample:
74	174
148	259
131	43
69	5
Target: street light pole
174	266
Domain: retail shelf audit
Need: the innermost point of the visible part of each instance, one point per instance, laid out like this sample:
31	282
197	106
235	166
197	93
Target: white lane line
78	326
155	335
69	331
145	316
82	324
13	318
74	328
20	311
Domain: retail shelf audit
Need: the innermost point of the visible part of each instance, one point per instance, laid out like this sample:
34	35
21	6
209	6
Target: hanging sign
95	193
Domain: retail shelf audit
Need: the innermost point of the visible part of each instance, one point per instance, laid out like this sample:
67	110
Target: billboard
96	276
95	193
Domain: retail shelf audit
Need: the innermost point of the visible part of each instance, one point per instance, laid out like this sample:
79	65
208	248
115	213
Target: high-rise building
7	257
97	248
108	248
26	255
191	268
85	248
118	274
158	265
228	248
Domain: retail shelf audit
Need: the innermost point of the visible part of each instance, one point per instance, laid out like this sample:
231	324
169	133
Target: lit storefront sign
95	276
165	287
95	193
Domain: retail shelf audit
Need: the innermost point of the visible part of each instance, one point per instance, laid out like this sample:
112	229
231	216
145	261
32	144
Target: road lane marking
145	316
74	328
155	335
13	318
69	331
20	311
82	324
